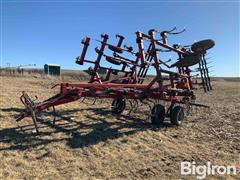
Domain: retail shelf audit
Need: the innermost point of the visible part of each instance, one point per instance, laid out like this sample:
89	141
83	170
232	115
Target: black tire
118	106
157	114
177	115
202	45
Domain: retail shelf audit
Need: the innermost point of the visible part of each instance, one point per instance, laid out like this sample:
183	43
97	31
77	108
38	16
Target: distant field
88	142
72	74
34	72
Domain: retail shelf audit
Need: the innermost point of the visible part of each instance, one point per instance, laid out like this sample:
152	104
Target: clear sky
51	31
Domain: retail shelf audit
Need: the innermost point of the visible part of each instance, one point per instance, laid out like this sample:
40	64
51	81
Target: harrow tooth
95	99
131	106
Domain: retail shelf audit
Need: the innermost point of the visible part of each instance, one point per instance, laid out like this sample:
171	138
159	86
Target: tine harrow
168	93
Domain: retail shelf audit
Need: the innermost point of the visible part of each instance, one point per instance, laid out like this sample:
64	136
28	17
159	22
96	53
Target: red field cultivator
124	80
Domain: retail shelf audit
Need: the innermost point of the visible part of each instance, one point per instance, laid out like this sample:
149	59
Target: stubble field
88	142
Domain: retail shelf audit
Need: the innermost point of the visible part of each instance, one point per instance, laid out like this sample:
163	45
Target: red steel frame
127	87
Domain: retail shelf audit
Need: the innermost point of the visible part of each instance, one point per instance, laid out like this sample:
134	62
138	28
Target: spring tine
131	107
195	75
134	105
208	58
210	67
211	71
83	100
197	69
163	50
179	32
210	62
170	31
137	106
95	99
148	103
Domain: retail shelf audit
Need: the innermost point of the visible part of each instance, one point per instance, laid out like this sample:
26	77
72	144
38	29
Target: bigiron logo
202	171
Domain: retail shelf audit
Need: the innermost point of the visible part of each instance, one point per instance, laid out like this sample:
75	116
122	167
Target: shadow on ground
99	129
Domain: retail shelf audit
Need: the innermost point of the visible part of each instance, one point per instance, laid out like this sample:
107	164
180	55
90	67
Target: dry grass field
88	142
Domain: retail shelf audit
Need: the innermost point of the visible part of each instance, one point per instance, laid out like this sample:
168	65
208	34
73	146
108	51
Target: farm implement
128	78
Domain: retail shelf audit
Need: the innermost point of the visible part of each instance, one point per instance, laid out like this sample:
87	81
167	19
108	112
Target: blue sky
51	31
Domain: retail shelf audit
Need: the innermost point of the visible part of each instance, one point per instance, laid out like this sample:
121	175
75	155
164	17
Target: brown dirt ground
87	142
